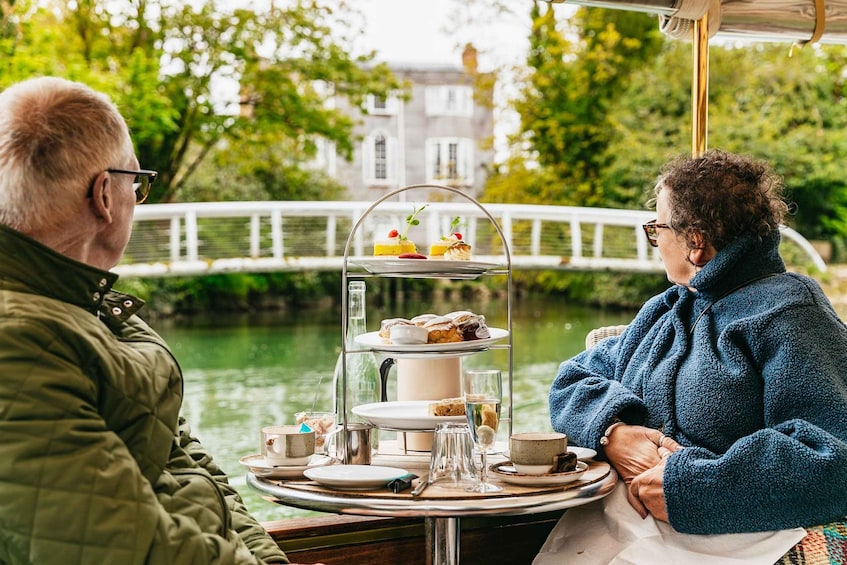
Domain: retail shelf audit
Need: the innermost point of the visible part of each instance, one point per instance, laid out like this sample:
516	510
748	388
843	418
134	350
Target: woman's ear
699	252
102	199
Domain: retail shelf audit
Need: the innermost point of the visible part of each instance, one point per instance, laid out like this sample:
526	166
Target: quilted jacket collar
29	266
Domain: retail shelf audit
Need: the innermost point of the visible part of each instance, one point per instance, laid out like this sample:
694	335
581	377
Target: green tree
789	111
165	63
571	86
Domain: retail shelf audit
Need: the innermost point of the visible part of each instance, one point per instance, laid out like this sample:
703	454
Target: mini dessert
386	325
471	326
564	462
393	245
459	251
437	248
448	407
398	243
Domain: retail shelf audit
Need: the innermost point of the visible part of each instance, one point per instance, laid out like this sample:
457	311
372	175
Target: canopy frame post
700	87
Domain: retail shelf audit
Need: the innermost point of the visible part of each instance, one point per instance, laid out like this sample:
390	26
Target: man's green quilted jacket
96	466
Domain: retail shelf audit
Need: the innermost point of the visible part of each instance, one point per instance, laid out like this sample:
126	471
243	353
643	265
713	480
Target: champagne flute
482	390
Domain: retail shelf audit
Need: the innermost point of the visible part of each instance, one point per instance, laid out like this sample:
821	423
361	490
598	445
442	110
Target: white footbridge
226	237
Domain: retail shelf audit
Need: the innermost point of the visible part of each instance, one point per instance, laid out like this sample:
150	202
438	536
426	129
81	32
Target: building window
382	106
379	159
450	161
449	100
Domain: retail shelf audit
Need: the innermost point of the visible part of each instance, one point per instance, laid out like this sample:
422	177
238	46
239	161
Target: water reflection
244	373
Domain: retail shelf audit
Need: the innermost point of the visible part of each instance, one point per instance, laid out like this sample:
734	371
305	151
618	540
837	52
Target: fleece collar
744	259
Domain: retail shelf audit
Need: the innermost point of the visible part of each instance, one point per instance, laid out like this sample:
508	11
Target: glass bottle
362	368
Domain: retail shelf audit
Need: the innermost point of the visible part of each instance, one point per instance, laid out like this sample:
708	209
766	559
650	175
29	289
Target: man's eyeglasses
141	184
651	230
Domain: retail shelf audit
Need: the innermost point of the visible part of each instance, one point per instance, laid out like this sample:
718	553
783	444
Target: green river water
247	372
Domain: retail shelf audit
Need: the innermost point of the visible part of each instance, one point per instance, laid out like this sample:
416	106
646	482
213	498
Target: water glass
452	463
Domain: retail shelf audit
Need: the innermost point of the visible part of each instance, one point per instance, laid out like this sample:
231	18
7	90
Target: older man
96	465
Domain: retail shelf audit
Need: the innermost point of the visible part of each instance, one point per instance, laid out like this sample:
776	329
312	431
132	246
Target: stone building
441	133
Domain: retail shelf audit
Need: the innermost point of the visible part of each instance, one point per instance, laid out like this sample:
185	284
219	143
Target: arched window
379	162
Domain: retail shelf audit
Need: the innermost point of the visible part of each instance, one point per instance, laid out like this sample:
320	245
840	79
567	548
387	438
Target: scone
442	332
448	407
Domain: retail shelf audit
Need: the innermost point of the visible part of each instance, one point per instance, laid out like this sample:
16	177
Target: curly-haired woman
723	405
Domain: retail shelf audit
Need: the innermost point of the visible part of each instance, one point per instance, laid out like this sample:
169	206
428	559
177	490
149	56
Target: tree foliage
167	62
571	86
608	102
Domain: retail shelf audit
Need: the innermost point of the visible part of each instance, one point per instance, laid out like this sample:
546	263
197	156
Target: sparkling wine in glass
482	390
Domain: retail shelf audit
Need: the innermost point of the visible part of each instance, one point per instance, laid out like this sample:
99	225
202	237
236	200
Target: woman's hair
723	196
56	136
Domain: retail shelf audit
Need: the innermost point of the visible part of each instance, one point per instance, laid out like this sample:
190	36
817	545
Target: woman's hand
638	454
633	450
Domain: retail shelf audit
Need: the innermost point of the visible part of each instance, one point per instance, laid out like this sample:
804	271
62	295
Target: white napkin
610	531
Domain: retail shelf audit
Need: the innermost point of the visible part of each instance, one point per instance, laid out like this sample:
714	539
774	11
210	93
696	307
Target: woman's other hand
645	492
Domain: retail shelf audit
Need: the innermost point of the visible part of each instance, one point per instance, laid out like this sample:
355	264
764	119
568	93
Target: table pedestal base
442	539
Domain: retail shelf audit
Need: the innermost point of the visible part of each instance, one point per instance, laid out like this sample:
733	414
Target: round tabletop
386	504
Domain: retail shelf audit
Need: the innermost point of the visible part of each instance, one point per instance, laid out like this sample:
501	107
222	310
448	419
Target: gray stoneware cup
534	453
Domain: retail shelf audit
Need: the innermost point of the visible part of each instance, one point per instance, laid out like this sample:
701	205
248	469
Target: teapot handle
384	367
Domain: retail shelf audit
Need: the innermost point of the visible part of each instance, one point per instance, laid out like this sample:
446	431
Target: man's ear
102	197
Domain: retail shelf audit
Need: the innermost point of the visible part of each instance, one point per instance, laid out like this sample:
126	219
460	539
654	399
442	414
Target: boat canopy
799	21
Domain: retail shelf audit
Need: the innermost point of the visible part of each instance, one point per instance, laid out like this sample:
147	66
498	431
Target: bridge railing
215	237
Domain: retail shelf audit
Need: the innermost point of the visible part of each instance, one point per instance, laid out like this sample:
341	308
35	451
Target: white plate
506	473
261	468
582	453
354	477
410	415
374	341
392	265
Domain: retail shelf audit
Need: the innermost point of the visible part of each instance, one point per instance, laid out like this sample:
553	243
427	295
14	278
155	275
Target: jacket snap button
127	303
95	297
103	282
116	311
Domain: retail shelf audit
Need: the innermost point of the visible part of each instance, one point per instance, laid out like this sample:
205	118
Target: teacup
287	445
534	453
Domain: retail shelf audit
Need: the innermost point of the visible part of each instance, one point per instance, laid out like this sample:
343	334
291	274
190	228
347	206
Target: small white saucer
506	473
355	477
582	453
261	468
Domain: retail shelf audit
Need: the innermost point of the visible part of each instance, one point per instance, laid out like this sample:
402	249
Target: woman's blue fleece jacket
757	394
